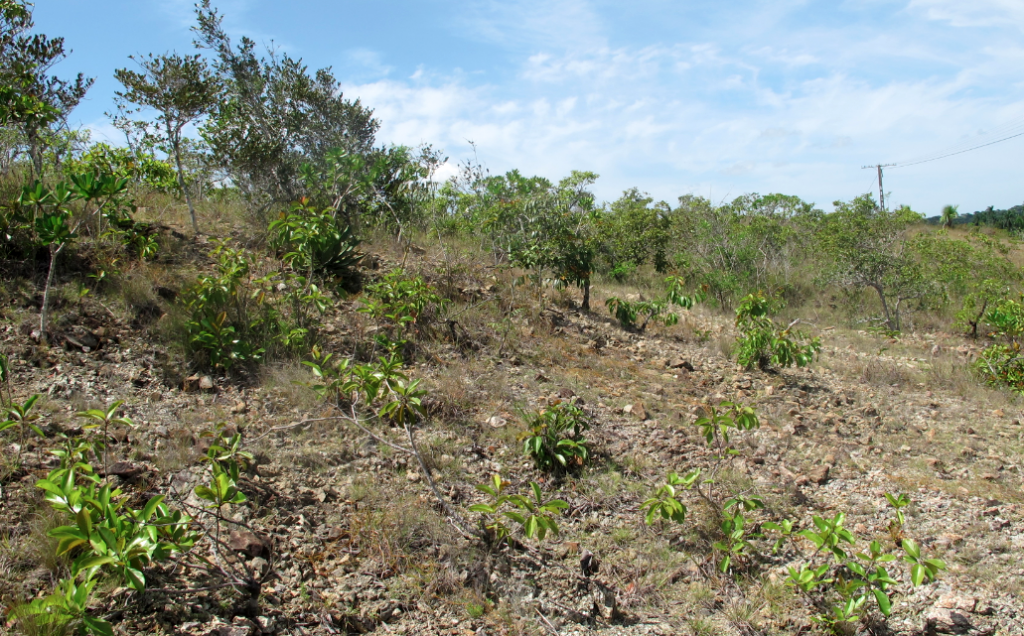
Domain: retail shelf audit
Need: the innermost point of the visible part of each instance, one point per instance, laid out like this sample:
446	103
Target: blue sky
672	97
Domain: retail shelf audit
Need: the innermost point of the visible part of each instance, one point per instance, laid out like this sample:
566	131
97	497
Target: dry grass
287	383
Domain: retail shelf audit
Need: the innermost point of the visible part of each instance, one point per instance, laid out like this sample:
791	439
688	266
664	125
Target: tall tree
275	116
861	245
949	214
181	89
29	96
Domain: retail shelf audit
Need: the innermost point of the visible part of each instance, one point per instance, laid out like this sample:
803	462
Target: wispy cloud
973	13
555	24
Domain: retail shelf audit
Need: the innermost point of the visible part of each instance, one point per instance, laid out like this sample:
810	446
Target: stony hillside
355	526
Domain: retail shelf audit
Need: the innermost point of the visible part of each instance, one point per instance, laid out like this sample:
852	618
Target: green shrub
628	312
141	168
664	502
534	516
1001	363
554	438
621	271
21	415
317	243
763	344
403	306
235	316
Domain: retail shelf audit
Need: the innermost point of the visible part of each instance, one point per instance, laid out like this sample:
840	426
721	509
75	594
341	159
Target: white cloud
104	131
372	63
973	13
555	24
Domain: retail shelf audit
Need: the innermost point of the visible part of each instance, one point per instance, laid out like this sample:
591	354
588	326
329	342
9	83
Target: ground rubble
319	542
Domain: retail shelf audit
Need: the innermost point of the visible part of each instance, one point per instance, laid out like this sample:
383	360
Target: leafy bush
404	306
106	536
534	516
1001	363
836	579
380	386
141	168
555	437
627	312
236	316
621	271
315	242
664	502
841	581
21	415
763	344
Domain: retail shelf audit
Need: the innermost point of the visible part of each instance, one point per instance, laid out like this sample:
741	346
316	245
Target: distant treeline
1011	219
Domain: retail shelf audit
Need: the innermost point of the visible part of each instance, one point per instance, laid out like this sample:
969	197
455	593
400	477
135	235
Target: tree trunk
44	312
586	294
974	324
885	307
175	144
35	150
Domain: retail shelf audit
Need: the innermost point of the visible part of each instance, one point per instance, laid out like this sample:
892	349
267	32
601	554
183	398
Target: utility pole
881	193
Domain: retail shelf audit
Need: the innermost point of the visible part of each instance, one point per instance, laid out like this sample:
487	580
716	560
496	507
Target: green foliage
181	89
861	246
31	98
107	536
554	437
103	418
403	306
314	242
842	580
21	415
751	243
543	228
634	232
836	577
628	312
210	330
949	214
64	610
664	502
334	380
138	166
275	116
735	545
535	516
380	386
621	271
386	187
1001	363
237	316
763	344
5	382
718	421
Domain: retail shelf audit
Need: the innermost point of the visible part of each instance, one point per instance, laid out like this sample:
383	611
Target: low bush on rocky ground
544	471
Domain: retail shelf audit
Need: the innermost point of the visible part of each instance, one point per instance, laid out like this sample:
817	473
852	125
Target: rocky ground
346	535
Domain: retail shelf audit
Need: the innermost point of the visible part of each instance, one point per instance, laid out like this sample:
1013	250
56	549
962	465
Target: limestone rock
819	475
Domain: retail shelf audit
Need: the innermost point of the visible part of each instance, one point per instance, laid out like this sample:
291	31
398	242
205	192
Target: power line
1002	131
958	152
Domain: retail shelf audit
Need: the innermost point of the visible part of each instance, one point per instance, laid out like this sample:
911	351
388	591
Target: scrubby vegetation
264	381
